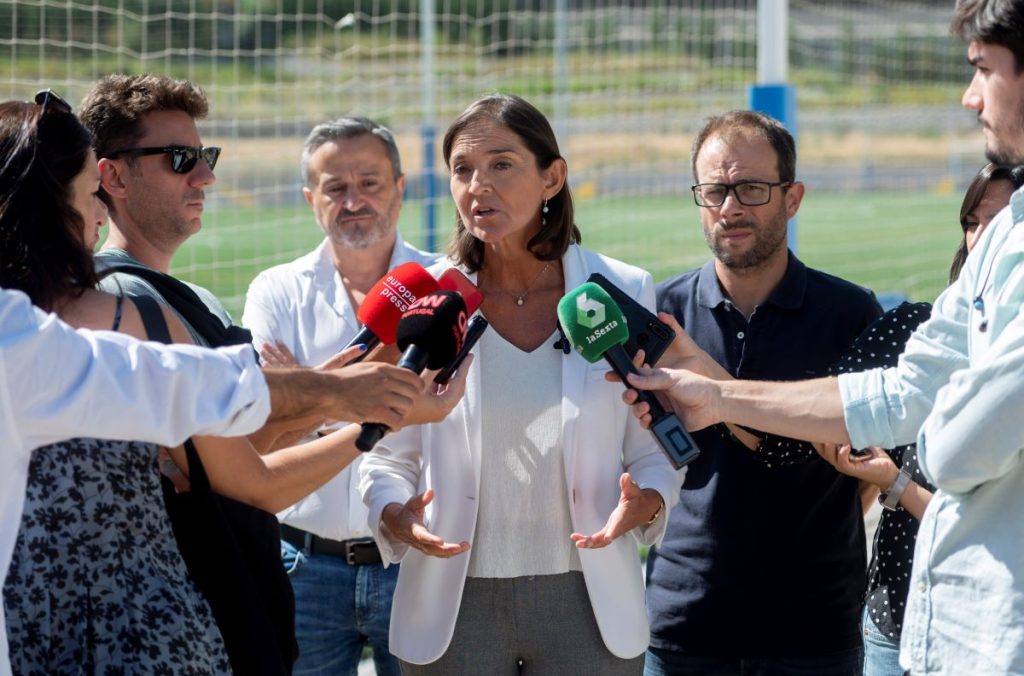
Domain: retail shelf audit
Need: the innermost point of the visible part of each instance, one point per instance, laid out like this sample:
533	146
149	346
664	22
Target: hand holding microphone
596	328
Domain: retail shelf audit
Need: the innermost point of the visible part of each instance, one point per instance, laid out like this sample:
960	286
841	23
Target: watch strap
890	497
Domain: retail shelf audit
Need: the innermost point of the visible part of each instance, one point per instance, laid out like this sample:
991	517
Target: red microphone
452	279
386	301
430	334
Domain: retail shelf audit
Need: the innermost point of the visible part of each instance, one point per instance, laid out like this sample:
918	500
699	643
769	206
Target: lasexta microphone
430	333
595	327
386	301
452	279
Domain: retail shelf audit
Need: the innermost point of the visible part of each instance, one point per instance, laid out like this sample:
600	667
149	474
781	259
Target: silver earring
544	213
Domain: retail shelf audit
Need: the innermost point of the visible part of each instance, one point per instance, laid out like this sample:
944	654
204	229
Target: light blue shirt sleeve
886	407
957	389
57	383
975	432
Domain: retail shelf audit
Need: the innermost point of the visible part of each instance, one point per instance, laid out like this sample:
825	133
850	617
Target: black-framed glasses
749	193
49	100
183	158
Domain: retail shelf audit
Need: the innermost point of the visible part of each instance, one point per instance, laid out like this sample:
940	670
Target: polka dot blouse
892	554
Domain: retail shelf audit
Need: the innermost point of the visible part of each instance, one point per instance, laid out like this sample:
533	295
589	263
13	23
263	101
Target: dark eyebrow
494	151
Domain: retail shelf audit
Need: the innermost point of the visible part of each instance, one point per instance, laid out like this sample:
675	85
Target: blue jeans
338	609
881	653
668	663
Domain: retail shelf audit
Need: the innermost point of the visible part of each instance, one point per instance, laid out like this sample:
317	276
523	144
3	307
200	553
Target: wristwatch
890	497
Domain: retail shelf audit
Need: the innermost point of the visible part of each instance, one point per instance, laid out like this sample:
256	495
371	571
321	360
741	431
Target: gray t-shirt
122	284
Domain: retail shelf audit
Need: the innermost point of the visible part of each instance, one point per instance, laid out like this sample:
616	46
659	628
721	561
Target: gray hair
346	128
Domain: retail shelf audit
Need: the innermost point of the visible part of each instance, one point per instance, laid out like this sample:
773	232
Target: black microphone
476	327
430	334
595	327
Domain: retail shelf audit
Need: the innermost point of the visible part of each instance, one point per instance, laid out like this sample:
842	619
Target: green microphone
596	328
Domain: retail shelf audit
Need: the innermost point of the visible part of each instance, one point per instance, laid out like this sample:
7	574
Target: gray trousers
527	625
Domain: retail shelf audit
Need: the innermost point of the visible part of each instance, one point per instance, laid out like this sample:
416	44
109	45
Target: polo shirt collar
789	293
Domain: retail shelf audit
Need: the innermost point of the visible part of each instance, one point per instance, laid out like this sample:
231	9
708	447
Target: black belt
356	552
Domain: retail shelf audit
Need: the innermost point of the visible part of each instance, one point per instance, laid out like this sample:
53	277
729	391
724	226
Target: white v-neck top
523	524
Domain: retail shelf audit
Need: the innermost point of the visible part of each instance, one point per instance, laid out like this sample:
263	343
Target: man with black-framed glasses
762	568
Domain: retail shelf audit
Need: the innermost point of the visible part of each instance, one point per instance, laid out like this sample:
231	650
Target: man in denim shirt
958	390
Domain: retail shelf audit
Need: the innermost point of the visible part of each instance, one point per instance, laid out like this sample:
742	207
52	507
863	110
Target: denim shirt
959	388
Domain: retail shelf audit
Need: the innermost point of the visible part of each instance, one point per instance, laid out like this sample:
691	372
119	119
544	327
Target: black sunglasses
183	158
50	101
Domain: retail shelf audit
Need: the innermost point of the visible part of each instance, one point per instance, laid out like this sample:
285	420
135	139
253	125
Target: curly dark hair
529	124
41	248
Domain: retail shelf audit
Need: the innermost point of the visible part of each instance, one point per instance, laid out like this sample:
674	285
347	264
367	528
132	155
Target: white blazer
602	439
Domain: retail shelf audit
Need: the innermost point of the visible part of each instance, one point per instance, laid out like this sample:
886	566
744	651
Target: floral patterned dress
97	584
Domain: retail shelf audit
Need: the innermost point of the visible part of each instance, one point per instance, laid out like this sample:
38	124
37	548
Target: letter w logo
429	301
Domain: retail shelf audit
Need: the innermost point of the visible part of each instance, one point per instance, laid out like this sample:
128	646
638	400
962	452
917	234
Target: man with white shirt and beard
302	313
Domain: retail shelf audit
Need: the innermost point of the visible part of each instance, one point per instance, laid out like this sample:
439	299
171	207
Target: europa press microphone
386	301
595	327
430	334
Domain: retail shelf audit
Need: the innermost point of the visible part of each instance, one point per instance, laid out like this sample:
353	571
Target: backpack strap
153	319
188	304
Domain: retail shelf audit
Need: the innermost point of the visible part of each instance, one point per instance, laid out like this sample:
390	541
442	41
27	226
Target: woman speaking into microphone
517	518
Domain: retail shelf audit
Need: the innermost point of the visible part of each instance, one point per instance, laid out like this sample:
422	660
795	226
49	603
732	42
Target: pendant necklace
521	297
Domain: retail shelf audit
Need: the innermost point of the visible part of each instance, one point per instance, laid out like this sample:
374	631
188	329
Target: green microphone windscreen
591	321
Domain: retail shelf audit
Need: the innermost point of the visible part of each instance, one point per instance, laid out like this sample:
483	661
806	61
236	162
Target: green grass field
889	242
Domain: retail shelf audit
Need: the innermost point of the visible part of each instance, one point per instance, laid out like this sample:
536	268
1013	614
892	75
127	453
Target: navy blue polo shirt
762	561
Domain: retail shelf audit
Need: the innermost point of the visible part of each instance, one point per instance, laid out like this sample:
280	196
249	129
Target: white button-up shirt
959	391
57	383
305	305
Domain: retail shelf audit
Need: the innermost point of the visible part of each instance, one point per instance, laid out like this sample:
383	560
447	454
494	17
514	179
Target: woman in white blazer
507	515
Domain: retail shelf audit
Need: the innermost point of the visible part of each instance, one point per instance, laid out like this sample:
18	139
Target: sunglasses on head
50	101
183	158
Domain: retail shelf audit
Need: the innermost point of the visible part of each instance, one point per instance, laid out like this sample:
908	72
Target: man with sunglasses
154	172
762	566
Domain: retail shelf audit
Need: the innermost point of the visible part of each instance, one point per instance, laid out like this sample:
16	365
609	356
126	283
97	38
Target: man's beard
1007	156
767	240
1003	156
362	235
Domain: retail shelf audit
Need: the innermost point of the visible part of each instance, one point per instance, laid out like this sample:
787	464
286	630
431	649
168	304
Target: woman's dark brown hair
975	193
533	129
41	248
